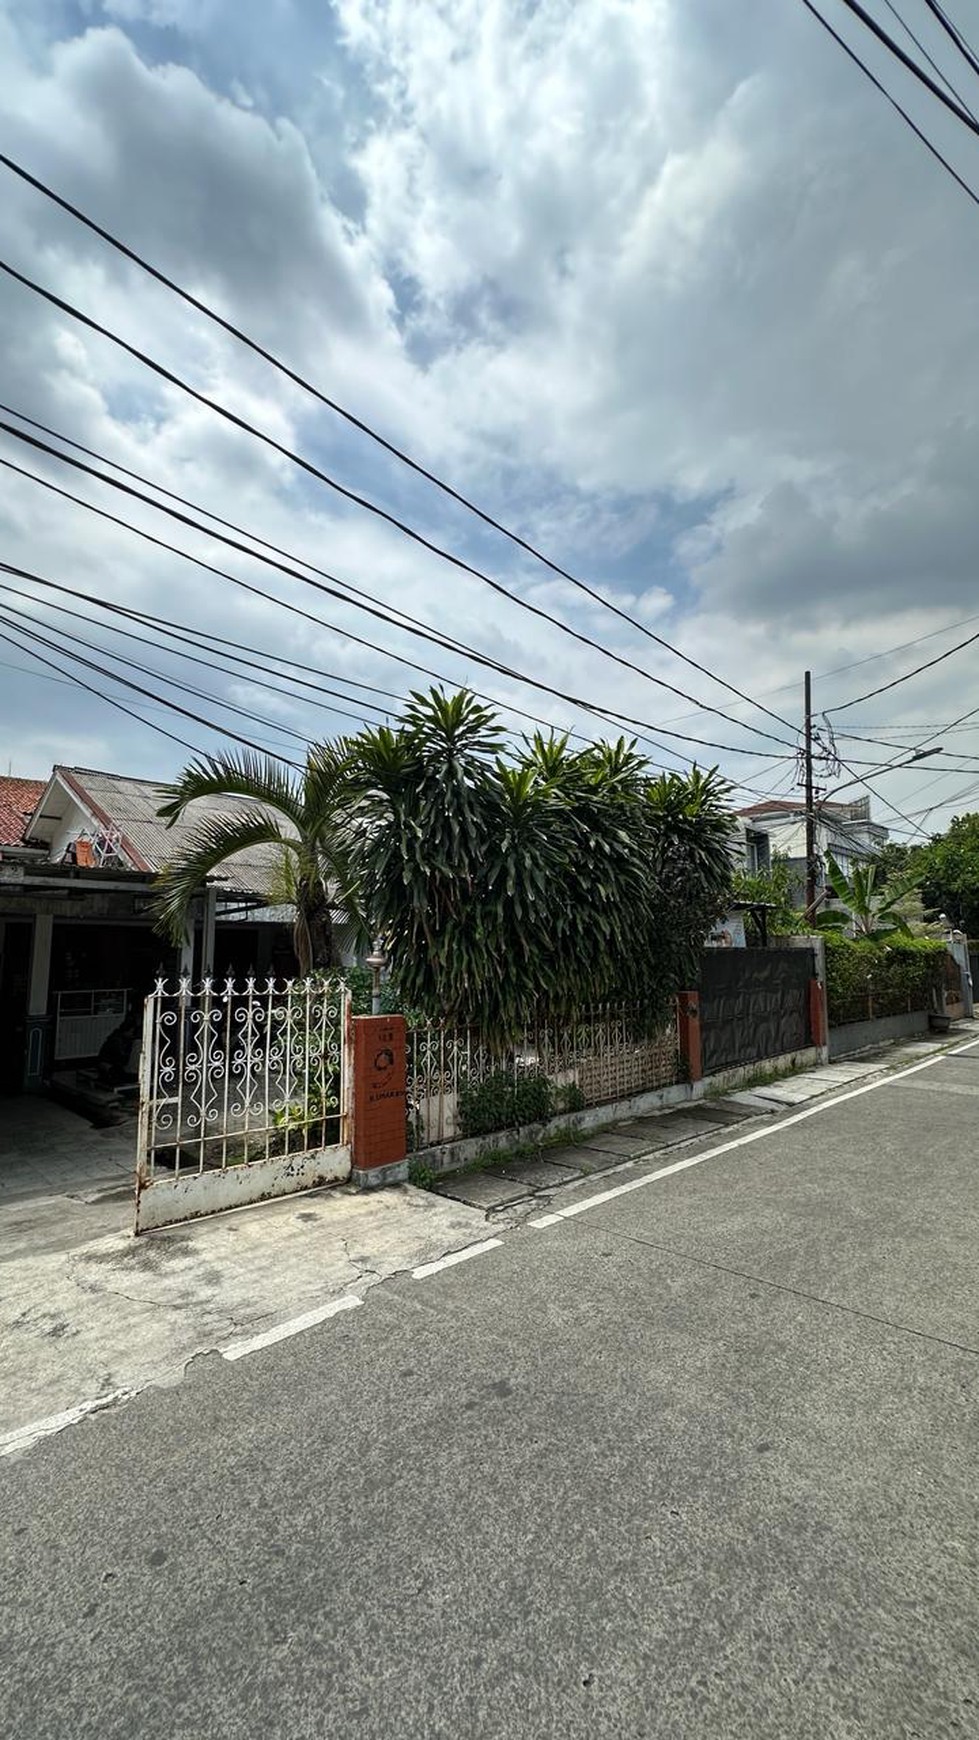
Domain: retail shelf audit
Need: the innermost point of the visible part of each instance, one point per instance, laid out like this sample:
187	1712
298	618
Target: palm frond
241	773
210	844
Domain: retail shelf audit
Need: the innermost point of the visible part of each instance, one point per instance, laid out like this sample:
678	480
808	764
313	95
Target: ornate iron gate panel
754	1004
243	1095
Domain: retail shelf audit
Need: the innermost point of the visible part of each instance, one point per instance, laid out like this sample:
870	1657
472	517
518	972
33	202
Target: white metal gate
243	1094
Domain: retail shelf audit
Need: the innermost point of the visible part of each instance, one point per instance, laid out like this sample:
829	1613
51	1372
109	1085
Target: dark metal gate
754	1004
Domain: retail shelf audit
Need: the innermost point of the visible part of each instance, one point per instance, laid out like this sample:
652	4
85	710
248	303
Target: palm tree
305	818
870	906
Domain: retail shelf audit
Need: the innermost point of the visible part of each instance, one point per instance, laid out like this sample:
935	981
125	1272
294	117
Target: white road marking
455	1257
824	1105
24	1436
294	1326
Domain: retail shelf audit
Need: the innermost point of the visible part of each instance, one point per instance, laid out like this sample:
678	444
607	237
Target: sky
662	285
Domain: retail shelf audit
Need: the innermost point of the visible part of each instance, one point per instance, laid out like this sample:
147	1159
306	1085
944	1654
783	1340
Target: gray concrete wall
859	1035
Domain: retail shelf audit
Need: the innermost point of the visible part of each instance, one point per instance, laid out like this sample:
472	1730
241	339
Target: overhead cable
308	466
892	100
350	596
365	428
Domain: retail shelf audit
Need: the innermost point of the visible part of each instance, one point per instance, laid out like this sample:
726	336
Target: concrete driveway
695	1454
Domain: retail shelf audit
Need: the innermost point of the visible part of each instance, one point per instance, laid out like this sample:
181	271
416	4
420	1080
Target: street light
882	767
377	960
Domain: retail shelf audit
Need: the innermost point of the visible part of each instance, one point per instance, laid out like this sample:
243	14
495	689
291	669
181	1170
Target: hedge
865	979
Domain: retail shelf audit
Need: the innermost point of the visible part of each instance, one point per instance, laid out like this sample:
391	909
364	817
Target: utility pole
810	805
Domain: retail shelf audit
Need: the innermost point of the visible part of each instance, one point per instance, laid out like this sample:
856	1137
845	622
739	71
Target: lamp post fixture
377	960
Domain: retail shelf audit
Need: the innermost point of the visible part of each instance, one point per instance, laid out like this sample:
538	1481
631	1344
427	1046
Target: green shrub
569	1098
360	983
865	978
504	1102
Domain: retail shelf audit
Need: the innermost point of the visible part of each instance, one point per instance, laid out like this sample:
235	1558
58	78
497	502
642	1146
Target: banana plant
870	906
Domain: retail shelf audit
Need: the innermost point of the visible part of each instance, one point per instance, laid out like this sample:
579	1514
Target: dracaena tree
543	881
304	817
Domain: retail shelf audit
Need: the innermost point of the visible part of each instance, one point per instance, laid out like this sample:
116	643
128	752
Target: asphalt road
699	1461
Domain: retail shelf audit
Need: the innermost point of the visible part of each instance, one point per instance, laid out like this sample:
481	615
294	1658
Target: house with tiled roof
79	853
18	800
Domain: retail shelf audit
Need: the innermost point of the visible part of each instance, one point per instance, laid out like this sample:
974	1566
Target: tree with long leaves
306	820
866	902
542	882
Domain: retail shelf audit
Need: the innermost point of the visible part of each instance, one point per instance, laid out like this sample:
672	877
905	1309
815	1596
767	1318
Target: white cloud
669	289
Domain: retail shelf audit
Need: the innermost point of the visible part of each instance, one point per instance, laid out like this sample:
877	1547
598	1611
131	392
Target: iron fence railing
235	1073
460	1085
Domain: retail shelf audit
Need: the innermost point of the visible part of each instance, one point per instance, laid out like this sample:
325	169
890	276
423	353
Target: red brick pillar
688	1033
818	1025
379	1136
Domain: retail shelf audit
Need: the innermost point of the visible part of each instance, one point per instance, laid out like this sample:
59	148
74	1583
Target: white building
846	832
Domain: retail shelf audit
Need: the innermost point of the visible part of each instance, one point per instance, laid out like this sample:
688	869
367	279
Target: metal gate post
688	1034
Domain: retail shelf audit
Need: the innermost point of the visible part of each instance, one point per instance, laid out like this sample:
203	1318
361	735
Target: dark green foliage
948	874
552	881
865	978
360	984
504	1101
569	1098
772	888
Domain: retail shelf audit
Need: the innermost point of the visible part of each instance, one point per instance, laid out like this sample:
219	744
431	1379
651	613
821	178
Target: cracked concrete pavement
115	1313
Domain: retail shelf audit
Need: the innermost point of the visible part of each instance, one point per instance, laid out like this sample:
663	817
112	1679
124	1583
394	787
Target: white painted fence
244	1094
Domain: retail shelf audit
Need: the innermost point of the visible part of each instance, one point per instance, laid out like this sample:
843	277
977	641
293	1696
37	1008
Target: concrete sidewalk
502	1187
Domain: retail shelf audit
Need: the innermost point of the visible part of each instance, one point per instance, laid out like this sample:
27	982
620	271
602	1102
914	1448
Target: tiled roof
18	799
796	807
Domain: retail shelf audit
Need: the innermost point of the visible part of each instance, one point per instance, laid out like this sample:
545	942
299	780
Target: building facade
78	947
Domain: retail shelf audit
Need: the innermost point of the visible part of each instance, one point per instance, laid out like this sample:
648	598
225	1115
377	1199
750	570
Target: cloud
663	285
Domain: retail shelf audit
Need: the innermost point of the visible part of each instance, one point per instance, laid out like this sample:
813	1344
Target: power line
276	726
864	779
818	676
126	683
932	62
896	682
908	61
271	598
372	507
954	32
393	616
886	94
374	435
154	699
171	629
162	624
100	694
352	596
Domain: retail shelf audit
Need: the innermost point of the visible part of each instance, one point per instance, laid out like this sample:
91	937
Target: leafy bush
772	888
865	979
360	984
504	1102
569	1098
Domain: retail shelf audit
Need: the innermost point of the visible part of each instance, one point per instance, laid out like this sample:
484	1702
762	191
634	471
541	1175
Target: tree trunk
315	939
